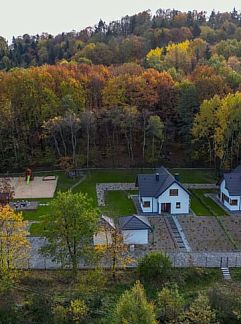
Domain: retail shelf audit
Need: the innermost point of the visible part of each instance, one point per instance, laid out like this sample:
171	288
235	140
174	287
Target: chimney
176	175
157	177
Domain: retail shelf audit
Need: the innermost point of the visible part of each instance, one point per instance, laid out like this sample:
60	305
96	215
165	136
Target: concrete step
226	273
175	233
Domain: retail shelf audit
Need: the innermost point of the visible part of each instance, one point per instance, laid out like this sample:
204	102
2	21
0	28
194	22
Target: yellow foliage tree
154	58
14	246
114	251
154	53
180	56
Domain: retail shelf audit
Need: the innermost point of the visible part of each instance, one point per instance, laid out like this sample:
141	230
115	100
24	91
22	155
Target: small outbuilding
135	229
105	228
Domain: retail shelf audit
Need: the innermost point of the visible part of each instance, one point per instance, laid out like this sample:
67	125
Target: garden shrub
155	265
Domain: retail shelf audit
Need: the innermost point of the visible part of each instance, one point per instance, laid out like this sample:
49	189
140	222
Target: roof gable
232	181
152	186
178	183
134	222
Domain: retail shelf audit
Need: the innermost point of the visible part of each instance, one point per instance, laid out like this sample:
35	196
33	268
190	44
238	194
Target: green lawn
196	176
118	204
100	176
197	207
203	205
64	183
39	212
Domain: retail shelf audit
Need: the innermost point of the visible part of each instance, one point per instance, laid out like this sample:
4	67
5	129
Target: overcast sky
55	16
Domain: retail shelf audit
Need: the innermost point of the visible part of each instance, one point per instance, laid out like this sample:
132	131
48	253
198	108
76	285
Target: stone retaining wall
179	259
101	188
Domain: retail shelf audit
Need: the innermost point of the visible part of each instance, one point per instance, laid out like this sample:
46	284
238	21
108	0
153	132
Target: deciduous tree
134	308
69	228
14	246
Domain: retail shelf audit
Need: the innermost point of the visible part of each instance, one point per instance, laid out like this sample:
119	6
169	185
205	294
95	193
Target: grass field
196	175
117	203
202	205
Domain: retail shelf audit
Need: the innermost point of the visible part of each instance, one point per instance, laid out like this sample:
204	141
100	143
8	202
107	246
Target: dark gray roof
237	169
149	186
233	181
134	222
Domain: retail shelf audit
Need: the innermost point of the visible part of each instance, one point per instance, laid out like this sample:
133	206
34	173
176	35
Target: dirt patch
233	225
34	189
160	239
205	234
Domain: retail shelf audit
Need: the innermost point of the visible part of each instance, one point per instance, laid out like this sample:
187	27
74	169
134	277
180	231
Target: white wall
135	236
183	198
226	204
153	204
102	238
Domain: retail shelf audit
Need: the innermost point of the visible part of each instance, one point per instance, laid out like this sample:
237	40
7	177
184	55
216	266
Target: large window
146	204
233	202
178	205
173	192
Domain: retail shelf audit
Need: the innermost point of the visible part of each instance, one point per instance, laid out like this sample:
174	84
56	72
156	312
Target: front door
166	208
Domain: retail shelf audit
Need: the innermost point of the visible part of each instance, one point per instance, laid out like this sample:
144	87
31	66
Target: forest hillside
144	90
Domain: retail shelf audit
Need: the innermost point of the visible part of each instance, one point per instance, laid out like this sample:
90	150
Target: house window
233	202
173	192
178	205
146	204
225	198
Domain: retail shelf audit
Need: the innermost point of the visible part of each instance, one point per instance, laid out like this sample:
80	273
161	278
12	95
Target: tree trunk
88	146
144	139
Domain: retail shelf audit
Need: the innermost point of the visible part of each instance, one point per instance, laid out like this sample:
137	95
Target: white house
135	229
161	192
230	189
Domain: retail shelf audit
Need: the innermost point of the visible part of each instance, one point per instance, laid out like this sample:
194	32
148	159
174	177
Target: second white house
230	189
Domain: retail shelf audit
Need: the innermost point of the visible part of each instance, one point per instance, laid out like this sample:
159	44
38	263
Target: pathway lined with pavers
182	239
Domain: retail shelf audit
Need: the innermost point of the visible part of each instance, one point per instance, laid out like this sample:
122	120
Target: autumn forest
144	90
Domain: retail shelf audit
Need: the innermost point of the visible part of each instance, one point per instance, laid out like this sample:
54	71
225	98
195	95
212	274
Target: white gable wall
226	204
135	236
102	238
183	198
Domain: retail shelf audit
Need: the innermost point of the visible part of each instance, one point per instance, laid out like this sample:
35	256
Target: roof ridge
127	220
170	174
167	176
